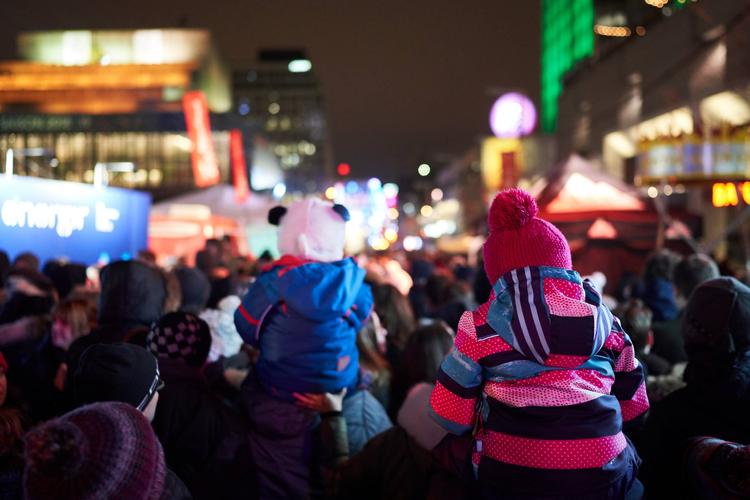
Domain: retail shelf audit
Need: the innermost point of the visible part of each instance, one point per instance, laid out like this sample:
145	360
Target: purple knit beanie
518	238
180	335
103	450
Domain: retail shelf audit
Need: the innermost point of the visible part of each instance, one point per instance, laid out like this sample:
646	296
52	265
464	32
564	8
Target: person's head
173	299
636	318
26	260
205	261
132	294
691	272
628	287
371	344
441	289
65	276
716	329
70	320
222	284
214	247
227	247
420	269
29	282
180	336
118	372
311	229
395	313
518	238
103	450
424	353
195	288
146	256
660	265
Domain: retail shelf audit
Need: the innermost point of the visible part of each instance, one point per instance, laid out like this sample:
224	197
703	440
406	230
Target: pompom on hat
518	238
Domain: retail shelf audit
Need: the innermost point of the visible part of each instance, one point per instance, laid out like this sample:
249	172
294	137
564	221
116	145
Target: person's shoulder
673	406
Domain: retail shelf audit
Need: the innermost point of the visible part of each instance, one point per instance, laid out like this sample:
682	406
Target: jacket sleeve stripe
462	369
456	388
247	316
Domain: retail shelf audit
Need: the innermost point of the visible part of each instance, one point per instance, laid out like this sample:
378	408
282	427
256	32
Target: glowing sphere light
513	115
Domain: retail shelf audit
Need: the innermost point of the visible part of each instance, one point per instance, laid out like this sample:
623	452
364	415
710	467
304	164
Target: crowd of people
394	375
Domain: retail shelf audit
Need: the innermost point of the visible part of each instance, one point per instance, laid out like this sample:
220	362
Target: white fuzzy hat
311	229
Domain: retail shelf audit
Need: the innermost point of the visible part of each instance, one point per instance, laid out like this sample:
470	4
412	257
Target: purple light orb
513	115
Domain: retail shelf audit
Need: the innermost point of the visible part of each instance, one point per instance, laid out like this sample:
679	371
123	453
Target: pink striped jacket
545	376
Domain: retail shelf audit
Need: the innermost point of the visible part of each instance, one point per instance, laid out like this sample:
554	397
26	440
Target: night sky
405	80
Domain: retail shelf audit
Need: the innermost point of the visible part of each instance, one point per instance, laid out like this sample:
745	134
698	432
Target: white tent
221	201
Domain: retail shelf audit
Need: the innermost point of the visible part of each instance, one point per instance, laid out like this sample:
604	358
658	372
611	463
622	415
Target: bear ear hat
275	215
342	211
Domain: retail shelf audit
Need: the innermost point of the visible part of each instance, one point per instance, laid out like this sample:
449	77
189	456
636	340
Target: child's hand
322	403
235	377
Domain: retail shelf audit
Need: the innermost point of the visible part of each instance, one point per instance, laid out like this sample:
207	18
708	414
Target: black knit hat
716	328
180	335
717	316
116	372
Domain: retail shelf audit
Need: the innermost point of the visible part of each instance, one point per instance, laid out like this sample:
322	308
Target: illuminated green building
567	37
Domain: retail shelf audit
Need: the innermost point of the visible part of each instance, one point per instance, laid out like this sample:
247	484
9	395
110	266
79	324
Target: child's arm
247	317
630	385
459	382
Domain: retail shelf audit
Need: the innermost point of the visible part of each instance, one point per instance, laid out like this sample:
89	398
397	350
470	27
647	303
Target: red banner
239	167
205	166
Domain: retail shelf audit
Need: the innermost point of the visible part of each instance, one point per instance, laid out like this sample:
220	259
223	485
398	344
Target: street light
299	66
424	170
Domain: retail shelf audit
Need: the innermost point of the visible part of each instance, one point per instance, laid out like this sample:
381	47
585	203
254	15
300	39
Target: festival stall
180	226
610	225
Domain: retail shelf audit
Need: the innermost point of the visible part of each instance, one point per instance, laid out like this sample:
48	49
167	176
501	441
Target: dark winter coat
720	410
282	437
393	466
668	341
33	363
204	441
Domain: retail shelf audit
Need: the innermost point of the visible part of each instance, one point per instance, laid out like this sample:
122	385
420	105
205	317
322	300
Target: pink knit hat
518	238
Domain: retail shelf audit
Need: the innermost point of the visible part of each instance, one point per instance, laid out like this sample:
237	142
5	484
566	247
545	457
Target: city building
664	103
78	101
280	95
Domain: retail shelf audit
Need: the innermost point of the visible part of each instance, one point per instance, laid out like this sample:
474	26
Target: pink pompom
511	209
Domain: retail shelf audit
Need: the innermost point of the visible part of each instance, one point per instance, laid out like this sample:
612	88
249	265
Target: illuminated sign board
687	158
67	219
729	194
205	166
502	163
239	167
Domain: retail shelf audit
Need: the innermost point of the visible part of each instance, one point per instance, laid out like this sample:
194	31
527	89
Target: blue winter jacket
304	317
